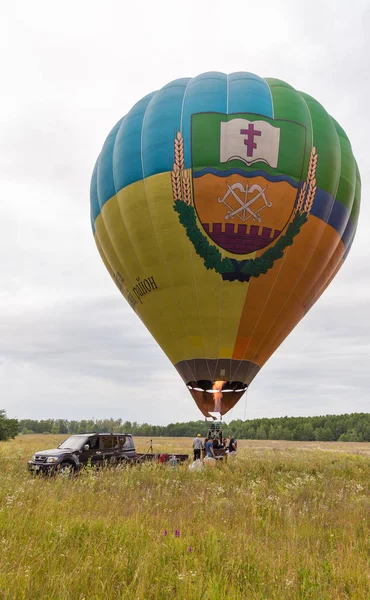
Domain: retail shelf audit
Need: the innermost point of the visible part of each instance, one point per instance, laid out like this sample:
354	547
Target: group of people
208	445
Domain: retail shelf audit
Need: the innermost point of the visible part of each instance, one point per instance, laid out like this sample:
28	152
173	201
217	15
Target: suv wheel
66	470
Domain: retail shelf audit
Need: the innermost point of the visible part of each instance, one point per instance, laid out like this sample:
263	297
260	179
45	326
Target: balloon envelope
223	206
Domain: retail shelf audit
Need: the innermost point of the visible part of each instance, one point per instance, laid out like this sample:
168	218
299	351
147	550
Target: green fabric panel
273	82
288	104
356	204
358	176
206	145
326	141
347	181
340	130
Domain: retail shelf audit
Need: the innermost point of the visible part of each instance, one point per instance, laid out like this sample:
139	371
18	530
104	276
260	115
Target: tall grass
279	521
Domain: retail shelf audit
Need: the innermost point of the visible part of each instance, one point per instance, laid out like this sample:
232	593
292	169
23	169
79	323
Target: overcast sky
70	346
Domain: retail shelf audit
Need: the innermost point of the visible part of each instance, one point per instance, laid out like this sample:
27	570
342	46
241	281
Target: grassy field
282	520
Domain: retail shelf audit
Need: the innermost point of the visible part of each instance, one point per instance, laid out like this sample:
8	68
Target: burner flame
217	387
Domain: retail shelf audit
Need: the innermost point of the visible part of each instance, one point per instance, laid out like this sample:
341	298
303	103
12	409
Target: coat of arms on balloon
249	192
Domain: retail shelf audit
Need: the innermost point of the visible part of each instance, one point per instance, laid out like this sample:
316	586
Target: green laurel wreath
231	268
212	257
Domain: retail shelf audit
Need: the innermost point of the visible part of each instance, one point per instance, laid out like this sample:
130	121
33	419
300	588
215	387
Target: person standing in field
209	448
232	444
197	446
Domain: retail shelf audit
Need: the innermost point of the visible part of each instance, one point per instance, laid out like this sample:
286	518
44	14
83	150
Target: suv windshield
75	442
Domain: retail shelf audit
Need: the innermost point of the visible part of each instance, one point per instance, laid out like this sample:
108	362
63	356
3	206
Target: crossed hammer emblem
244	210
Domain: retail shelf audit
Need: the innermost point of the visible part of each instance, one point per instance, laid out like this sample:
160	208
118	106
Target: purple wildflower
190	549
165	532
177	533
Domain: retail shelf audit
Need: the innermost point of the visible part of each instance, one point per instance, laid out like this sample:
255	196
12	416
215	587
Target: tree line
353	427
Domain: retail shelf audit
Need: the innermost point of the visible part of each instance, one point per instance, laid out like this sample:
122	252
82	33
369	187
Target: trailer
161	458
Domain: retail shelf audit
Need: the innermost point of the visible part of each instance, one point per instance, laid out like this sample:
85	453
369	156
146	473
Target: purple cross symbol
249	142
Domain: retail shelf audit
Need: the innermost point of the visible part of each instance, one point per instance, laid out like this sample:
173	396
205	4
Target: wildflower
190	549
165	532
177	533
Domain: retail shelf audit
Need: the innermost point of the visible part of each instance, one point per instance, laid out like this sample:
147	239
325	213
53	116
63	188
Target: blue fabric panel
127	167
105	182
322	205
204	93
336	215
348	236
249	93
339	217
94	202
160	125
228	172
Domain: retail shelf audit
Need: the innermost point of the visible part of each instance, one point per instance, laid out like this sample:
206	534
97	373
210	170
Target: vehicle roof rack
100	433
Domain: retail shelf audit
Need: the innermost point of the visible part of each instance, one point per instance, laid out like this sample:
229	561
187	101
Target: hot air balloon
222	207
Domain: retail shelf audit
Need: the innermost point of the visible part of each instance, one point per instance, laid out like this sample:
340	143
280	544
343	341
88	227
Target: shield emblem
245	196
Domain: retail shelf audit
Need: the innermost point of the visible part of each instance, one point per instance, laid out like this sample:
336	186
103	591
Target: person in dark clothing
232	444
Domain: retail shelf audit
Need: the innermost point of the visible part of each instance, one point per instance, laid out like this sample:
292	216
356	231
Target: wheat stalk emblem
308	189
180	178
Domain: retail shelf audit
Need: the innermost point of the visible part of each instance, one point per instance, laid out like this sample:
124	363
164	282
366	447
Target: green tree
62	425
8	427
308	432
324	434
261	433
353	436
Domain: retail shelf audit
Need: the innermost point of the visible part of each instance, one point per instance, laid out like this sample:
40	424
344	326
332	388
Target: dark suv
97	449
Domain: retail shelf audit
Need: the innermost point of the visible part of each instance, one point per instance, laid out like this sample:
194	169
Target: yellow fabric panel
233	297
122	254
175	257
220	304
211	307
136	216
102	255
193	313
103	237
118	238
158	309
